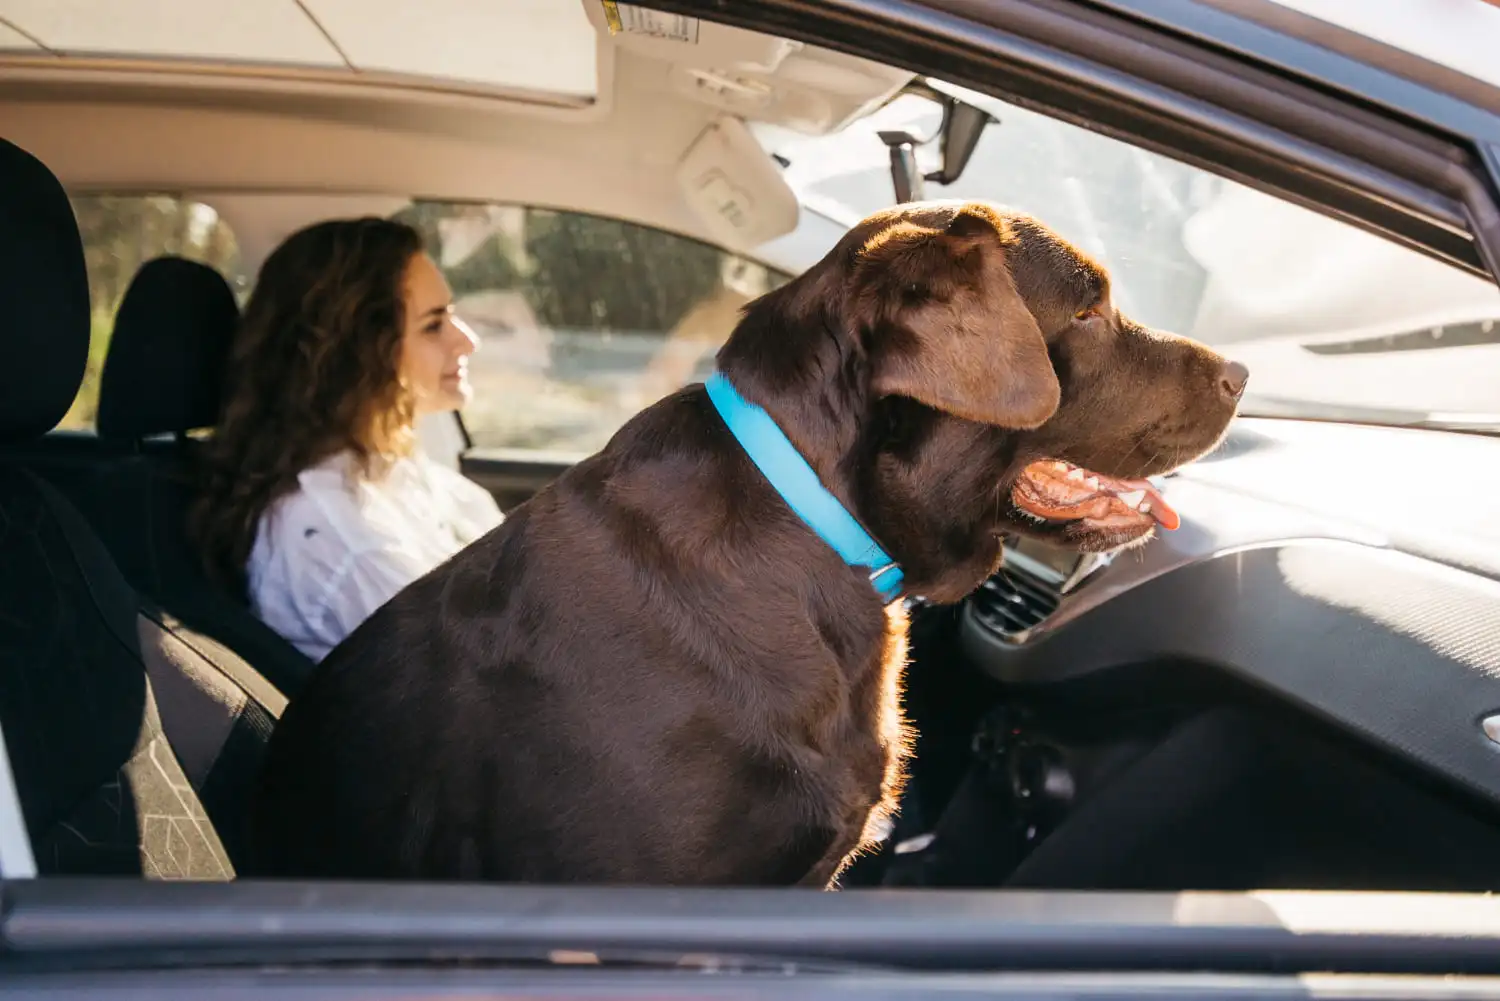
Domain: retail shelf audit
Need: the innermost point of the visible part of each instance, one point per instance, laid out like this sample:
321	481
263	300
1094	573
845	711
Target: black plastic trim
513	473
574	983
176	924
1384	644
1361	68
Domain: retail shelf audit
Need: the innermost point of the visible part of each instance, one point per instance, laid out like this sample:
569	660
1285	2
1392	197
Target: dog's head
955	372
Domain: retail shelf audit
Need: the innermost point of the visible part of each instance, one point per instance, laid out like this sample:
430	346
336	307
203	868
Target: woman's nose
467	340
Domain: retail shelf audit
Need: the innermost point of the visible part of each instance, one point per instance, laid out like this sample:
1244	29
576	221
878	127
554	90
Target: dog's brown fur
654	672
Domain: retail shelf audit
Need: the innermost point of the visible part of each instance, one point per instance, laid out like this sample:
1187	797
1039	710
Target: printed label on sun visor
633	20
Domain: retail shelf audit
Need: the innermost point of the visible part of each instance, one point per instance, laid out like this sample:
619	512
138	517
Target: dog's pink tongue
1060	491
1156	504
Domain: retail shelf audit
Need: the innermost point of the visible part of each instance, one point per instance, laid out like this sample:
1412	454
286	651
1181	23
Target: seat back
131	752
165	370
163	377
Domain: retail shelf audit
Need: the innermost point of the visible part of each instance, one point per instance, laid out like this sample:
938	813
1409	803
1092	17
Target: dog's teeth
1134	498
1076	474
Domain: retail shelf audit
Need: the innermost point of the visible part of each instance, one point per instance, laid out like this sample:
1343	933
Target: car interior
1298	688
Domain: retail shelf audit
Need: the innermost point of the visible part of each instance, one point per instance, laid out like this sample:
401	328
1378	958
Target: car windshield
1334	322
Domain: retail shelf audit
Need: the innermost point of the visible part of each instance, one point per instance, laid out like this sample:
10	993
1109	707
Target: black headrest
165	368
44	298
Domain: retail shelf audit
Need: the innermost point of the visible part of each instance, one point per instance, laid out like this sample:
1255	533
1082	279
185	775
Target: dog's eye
1088	314
916	290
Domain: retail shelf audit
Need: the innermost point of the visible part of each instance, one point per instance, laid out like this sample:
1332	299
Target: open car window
586	319
1333	321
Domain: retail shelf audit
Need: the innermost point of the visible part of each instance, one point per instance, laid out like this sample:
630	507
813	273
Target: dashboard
1352	570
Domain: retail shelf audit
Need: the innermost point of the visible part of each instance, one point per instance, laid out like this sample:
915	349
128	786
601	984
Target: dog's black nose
1232	379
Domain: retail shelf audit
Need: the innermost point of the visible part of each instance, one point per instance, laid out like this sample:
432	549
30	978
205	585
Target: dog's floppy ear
960	338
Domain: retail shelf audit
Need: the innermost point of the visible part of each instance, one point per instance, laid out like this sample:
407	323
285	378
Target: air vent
1017	599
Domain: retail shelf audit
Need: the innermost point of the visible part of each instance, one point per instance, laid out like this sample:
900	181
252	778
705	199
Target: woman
315	501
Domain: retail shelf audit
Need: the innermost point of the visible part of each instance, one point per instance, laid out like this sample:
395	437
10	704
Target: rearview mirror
963	125
958	136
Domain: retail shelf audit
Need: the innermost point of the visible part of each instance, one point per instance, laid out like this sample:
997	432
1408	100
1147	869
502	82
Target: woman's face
436	346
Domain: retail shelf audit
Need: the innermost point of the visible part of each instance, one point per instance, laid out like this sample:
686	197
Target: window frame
1433	190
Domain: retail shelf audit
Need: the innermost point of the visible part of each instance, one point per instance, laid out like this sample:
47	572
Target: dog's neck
790	357
813	387
790	475
944	550
813	392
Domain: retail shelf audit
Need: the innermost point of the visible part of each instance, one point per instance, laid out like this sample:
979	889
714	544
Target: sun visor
752	75
735	188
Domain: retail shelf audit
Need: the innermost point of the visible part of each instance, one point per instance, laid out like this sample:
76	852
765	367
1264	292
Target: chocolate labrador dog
660	670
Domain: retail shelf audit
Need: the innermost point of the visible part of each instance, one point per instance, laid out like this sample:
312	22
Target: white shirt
338	547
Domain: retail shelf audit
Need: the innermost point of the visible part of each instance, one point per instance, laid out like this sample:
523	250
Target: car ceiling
356	102
541	46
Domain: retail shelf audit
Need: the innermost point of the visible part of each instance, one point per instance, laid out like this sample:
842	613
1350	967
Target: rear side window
583	320
122	232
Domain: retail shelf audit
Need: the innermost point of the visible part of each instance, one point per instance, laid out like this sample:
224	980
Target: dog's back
608	688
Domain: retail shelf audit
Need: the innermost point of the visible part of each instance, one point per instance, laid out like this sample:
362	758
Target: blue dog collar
791	476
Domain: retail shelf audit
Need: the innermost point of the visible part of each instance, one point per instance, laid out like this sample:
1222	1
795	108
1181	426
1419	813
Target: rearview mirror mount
904	174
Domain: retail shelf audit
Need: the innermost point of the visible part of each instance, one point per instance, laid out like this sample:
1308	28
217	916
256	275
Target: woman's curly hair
314	370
